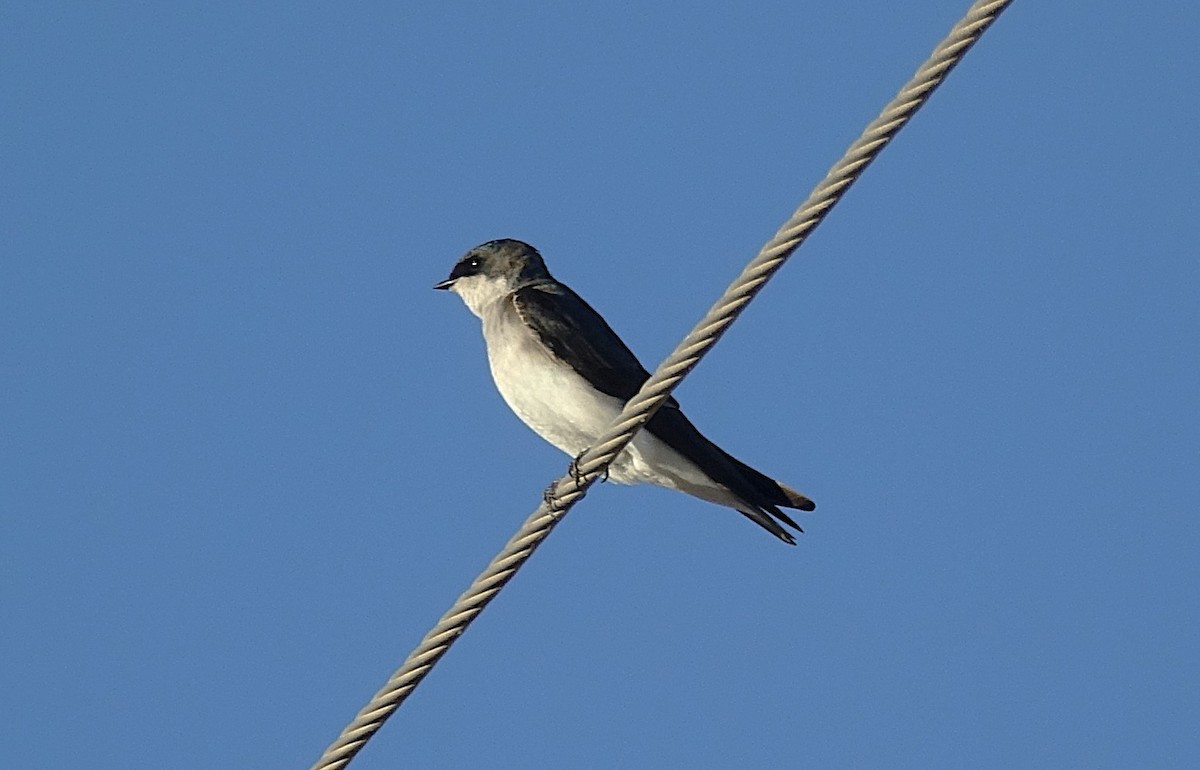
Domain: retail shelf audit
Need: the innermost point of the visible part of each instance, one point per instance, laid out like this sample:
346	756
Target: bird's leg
573	468
550	498
550	495
577	474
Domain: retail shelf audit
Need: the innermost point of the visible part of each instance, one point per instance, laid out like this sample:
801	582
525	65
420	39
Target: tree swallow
567	375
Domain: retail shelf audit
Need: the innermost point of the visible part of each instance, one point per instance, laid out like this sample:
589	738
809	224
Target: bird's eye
466	267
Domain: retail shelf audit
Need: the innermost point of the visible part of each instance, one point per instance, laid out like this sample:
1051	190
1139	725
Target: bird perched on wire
567	375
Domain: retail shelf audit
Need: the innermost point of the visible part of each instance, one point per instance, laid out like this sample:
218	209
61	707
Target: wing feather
581	338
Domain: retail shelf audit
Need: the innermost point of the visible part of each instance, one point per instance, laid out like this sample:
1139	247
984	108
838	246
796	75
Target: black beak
446	284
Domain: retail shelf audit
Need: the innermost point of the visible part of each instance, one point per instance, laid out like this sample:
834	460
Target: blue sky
249	456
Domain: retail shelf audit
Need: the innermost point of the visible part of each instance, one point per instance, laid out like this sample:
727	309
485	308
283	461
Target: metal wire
571	488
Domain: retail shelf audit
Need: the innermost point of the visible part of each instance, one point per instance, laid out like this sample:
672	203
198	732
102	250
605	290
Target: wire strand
590	466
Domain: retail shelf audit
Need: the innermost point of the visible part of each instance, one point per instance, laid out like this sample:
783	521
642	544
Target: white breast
563	408
548	396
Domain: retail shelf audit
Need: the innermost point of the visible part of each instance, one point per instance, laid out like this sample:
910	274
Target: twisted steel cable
590	466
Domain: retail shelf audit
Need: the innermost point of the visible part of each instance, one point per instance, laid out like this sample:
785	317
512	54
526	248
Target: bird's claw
573	469
550	498
577	474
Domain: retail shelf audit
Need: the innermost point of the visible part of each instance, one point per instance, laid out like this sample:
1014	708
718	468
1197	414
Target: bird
566	374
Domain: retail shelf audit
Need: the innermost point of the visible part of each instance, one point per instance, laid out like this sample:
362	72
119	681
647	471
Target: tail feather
773	491
758	497
795	499
774	511
766	522
771	496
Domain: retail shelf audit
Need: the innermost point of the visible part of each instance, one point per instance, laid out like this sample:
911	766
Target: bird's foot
550	498
577	474
573	469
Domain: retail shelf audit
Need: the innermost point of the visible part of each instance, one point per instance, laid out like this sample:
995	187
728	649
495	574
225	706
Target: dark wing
581	337
763	496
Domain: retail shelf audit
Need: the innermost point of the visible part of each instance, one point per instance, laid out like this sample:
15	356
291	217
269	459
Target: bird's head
491	271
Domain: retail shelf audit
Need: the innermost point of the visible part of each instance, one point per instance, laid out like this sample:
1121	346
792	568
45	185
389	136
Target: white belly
561	407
